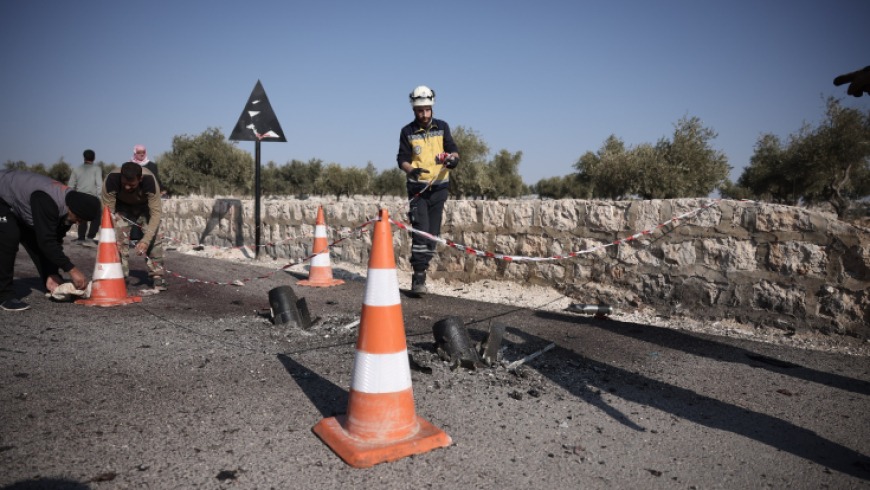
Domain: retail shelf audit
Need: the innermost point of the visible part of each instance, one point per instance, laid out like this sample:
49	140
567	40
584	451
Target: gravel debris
549	299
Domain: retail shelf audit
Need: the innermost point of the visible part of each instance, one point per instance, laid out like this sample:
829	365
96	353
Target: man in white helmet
427	153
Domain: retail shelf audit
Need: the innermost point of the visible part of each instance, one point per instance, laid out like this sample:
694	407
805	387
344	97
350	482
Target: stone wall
766	264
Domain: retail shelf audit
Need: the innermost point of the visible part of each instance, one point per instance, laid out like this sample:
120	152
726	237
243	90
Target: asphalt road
194	388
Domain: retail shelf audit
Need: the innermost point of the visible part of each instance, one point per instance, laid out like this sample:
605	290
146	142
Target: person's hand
78	279
441	158
53	282
859	82
451	162
141	247
415	173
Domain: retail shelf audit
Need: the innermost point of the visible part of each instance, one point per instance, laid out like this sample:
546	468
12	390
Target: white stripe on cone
108	271
107	235
382	288
321	259
381	373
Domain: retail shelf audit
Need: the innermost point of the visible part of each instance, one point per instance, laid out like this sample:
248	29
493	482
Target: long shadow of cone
381	424
109	287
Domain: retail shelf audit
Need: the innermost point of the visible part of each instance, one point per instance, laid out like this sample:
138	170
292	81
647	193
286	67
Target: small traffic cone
320	272
109	288
380	424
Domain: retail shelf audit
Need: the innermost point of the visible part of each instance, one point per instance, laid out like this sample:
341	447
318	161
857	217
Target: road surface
196	388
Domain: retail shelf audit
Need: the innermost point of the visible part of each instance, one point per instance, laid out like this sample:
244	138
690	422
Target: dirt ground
197	388
548	299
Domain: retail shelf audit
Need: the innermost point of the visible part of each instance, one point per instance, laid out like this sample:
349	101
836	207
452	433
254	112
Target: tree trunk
840	203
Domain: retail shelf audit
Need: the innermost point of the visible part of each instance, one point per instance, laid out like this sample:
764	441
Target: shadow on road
691	344
327	397
683	403
697	408
23	286
46	484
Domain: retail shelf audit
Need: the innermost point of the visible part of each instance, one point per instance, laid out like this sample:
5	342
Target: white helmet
422	96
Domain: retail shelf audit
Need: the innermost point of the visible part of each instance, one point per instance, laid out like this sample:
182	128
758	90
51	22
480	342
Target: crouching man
37	212
132	195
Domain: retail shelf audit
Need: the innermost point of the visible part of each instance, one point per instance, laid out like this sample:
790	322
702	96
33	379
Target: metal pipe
600	309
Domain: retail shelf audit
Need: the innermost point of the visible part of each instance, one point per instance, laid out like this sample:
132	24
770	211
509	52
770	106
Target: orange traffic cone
380	424
109	288
320	272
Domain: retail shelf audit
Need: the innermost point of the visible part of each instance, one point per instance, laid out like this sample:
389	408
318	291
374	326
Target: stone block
727	254
798	258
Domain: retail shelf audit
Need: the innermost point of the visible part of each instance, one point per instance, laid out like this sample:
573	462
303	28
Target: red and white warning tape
520	258
357	231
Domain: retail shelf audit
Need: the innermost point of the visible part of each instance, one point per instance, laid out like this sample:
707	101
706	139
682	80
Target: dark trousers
12	232
425	214
91	232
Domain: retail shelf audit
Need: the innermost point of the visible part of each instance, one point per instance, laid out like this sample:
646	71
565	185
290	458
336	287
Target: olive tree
207	164
828	163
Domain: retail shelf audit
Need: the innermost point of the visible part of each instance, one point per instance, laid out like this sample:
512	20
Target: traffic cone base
364	454
320	271
109	301
320	282
109	287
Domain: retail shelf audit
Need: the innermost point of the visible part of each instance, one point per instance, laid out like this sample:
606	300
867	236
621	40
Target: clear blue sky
552	79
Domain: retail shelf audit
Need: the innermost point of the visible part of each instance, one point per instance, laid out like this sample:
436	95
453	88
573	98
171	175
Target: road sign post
257	123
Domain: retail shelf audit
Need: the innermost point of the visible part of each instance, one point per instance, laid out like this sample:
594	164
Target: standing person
427	152
37	211
132	194
88	178
140	157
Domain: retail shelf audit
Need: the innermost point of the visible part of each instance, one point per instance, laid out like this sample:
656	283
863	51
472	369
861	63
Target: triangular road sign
258	120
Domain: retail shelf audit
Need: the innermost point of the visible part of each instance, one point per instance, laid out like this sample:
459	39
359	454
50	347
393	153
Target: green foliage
693	168
685	166
60	171
730	190
505	176
389	183
295	178
564	187
478	178
303	179
106	168
19	165
470	178
338	181
206	164
829	163
609	173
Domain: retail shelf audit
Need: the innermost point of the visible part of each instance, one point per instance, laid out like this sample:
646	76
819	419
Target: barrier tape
241	282
270	244
458	246
520	258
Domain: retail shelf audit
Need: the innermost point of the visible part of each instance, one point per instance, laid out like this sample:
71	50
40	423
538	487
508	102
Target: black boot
418	282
